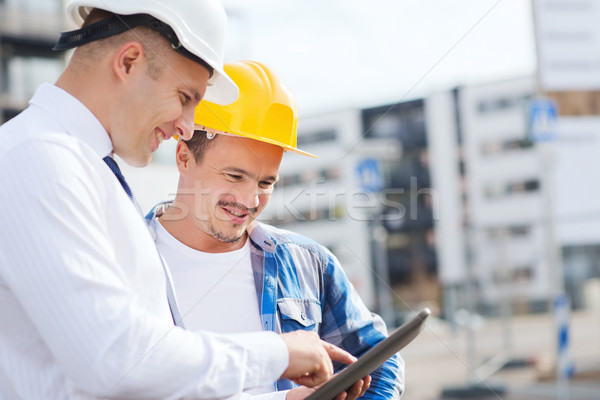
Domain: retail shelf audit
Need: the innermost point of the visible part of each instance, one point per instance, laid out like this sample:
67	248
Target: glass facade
408	210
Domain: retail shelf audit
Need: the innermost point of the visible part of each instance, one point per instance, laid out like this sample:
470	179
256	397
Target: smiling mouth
236	213
161	135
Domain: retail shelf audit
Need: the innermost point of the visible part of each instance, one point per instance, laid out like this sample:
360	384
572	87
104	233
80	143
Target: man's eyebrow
237	170
243	172
189	88
196	95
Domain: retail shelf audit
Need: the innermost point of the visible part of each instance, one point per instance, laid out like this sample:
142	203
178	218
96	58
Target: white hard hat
198	24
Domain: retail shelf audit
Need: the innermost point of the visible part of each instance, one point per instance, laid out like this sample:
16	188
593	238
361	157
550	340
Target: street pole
506	301
383	288
559	301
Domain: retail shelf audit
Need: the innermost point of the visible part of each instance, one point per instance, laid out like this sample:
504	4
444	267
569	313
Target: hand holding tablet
372	359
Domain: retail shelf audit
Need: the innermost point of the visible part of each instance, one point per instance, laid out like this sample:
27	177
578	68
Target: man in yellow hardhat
233	274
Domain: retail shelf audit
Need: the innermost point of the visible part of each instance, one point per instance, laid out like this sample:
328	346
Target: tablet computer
373	358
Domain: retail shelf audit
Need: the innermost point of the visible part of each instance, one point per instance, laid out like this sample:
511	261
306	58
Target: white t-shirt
215	291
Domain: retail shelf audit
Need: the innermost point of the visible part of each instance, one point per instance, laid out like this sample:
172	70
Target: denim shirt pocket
299	314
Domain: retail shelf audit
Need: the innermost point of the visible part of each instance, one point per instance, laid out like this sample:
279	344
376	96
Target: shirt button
303	316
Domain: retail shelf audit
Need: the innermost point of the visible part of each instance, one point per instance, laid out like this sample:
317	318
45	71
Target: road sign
368	175
543	119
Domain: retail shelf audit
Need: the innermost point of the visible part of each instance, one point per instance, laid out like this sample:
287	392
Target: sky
338	54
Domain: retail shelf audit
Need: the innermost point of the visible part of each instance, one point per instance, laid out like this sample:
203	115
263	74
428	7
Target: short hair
156	46
199	144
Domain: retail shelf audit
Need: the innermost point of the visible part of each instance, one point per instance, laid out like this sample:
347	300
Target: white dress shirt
82	290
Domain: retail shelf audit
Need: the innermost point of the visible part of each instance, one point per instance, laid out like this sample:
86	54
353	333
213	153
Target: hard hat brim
286	147
221	89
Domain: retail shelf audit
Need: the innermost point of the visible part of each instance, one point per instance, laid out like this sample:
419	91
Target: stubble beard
223	237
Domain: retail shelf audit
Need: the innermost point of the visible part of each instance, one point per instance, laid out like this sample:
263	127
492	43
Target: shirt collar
74	117
259	236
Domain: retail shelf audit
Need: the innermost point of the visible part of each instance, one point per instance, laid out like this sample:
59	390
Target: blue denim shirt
301	285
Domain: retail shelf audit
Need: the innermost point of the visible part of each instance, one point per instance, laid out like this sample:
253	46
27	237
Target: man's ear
183	157
128	58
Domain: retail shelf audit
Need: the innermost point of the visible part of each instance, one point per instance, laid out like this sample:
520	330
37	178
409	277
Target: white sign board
568	44
577	182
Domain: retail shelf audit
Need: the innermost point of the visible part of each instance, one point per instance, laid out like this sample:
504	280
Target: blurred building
508	216
367	198
533	222
28	30
425	199
321	198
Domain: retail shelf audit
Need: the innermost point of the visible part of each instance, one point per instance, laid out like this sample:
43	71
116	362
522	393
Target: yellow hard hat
266	109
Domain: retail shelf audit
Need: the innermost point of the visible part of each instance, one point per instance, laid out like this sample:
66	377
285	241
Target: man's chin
137	162
234	239
227	238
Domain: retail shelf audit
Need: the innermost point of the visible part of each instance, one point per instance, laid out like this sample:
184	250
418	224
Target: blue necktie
112	164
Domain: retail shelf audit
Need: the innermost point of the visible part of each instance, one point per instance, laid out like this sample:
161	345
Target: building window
488	106
25	74
404	122
324	175
304	138
499	190
491	148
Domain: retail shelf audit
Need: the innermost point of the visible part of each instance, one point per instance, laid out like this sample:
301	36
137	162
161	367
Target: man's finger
308	380
341	396
299	393
337	354
310	362
355	390
366	384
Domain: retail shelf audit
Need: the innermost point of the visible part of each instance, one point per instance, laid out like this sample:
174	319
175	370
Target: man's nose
184	125
249	198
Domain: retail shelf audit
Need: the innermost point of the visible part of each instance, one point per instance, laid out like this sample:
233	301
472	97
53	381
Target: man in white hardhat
234	274
87	306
